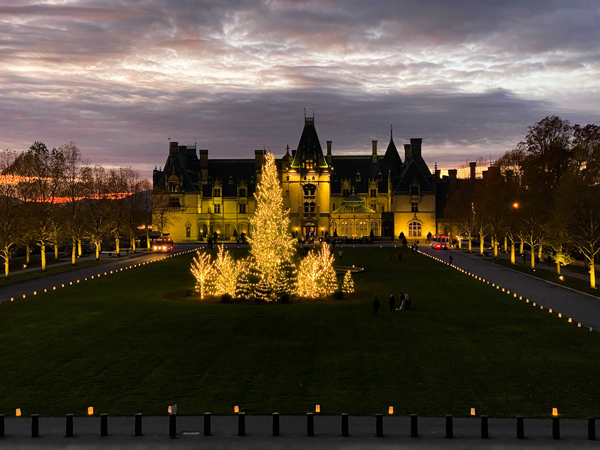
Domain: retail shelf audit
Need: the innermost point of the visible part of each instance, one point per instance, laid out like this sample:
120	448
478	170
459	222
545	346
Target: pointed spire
391	132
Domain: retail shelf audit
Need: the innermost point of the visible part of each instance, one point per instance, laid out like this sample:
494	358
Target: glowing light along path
506	291
12	299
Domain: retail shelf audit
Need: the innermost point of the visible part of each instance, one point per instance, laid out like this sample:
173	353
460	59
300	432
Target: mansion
327	195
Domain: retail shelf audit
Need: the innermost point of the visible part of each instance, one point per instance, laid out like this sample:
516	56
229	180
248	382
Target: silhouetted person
392	303
450	259
376	307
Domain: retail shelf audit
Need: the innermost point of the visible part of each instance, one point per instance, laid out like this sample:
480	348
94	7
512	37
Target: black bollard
206	424
35	425
241	424
345	425
310	424
1	425
275	424
449	427
520	428
484	428
592	428
172	425
104	424
69	428
414	426
379	425
138	424
556	428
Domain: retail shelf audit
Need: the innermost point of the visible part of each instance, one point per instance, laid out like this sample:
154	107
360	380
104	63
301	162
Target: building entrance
309	231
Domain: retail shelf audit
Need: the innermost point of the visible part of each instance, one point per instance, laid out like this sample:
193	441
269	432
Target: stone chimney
407	152
203	159
173	147
452	179
259	159
374	147
473	165
437	174
329	152
415	144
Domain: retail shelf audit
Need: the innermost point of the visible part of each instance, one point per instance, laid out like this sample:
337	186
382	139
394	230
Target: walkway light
555	412
90	410
318	408
391	410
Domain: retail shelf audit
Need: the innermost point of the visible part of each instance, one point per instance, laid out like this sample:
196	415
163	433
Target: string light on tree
203	269
348	283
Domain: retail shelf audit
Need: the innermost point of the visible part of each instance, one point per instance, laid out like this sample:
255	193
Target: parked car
162	245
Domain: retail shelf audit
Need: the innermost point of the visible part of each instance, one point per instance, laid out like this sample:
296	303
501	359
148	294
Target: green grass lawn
125	344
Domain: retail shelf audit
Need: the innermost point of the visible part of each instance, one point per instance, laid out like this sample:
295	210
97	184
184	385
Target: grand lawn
132	342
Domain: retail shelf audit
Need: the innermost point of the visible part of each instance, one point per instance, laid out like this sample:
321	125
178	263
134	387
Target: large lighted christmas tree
271	245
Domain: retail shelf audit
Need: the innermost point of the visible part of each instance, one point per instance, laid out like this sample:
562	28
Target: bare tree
10	211
96	205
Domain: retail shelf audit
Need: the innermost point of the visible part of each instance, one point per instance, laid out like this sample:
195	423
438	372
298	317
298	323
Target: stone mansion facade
326	194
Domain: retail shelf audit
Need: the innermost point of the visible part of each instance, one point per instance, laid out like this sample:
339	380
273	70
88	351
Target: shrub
338	295
285	298
225	298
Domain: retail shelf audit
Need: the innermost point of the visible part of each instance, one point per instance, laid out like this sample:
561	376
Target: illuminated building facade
327	195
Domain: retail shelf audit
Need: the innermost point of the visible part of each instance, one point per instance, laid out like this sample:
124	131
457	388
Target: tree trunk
532	256
43	257
79	252
558	268
6	264
505	244
512	253
496	248
540	251
118	244
481	244
132	245
97	251
470	244
592	274
74	252
521	247
147	237
55	252
28	254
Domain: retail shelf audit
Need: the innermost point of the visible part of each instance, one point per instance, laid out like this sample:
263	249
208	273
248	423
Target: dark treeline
544	193
50	198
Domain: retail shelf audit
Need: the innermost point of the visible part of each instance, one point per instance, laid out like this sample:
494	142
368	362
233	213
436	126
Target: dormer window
230	179
379	176
173	185
414	190
357	176
216	192
242	192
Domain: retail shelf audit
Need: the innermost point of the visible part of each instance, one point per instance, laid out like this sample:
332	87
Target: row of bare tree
544	193
52	197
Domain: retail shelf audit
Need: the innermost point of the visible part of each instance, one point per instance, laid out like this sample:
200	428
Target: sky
122	77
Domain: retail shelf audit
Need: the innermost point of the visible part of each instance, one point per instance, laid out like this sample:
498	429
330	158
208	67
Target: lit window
217	209
414	229
188	231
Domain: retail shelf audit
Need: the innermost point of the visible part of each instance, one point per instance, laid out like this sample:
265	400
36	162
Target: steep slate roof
309	146
415	167
183	162
230	172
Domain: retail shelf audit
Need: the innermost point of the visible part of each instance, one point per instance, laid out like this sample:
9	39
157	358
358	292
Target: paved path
293	434
38	285
582	308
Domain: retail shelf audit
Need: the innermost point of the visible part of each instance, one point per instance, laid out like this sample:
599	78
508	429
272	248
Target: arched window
346	228
362	228
309	190
414	229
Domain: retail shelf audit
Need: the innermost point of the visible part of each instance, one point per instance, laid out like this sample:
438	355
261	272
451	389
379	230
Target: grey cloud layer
467	76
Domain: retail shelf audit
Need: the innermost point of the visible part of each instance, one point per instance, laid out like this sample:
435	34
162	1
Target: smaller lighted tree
308	276
203	270
226	273
348	284
316	275
243	284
